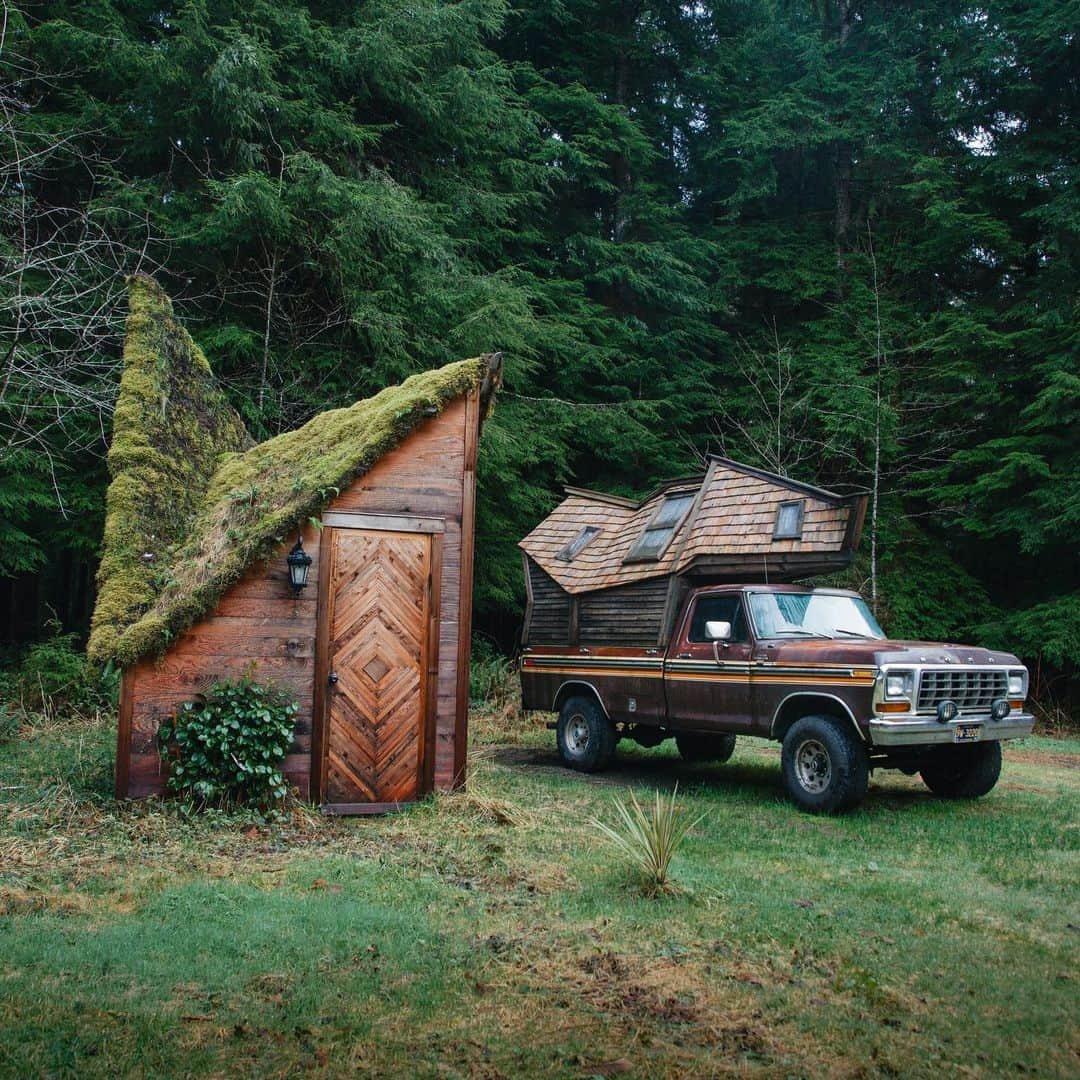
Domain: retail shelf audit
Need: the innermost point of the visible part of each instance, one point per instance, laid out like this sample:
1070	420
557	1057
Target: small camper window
574	546
658	533
789	519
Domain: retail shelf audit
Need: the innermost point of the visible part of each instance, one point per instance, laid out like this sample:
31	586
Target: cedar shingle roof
733	517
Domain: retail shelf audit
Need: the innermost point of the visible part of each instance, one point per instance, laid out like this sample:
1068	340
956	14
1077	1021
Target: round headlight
947	710
1000	709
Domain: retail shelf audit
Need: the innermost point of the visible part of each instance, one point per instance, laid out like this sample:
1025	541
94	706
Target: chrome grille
969	689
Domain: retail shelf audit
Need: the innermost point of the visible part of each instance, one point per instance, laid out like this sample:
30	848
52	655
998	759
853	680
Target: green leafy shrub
9	720
52	676
492	676
495	697
649	840
227	745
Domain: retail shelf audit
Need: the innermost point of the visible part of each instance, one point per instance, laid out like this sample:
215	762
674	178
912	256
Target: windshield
812	615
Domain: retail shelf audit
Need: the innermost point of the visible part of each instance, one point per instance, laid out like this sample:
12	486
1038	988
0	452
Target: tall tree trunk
879	363
621	166
842	163
623	32
267	320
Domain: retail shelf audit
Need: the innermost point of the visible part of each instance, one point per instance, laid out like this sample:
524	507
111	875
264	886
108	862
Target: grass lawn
493	933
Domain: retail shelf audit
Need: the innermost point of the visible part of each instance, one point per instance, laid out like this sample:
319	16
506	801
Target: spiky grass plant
649	840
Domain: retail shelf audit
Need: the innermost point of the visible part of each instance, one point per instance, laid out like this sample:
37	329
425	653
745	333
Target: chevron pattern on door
379	595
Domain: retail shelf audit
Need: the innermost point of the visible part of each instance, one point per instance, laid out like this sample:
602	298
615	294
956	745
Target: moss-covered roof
193	503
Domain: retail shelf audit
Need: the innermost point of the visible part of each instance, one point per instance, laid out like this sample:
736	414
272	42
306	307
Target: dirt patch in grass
617	1011
1043	757
15	901
625	1012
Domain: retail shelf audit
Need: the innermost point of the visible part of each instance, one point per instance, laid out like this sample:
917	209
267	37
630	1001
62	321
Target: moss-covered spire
171	427
187	515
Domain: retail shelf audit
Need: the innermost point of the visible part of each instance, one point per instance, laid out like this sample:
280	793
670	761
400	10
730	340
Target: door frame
332	521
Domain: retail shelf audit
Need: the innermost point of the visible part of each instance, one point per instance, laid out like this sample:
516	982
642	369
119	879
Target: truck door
709	688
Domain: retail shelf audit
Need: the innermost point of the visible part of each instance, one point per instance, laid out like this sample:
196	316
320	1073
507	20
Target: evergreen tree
836	237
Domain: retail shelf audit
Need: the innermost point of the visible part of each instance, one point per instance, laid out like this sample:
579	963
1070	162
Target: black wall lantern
299	563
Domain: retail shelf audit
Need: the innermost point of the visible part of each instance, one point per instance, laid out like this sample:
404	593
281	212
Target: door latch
332	678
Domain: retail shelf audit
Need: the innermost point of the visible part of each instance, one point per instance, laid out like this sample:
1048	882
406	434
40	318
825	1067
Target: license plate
967	732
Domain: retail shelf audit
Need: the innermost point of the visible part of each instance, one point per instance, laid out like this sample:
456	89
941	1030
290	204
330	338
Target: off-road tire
696	746
825	765
962	772
586	737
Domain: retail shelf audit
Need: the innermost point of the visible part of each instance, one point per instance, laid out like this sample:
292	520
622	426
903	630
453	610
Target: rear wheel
962	772
586	737
695	746
826	768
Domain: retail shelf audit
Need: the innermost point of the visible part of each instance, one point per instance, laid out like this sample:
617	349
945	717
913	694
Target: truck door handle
332	678
684	656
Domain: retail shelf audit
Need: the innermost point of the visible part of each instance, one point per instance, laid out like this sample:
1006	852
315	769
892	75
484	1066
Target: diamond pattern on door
379	589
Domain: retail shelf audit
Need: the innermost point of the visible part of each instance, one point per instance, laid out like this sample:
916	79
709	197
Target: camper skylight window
574	547
789	519
658	533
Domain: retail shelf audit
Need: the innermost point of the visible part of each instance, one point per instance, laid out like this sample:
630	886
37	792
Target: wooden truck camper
602	570
678	617
194	585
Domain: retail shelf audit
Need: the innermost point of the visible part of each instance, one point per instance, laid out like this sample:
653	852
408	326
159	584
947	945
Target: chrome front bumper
925	730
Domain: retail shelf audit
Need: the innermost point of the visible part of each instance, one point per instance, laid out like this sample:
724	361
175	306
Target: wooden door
378	644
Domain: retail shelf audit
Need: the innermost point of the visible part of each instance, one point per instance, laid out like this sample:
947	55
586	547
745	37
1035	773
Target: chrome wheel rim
813	766
577	734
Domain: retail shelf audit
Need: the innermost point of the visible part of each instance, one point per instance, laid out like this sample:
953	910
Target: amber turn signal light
894	706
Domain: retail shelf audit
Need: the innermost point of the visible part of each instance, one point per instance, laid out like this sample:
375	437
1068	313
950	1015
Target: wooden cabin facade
386	612
375	647
601	569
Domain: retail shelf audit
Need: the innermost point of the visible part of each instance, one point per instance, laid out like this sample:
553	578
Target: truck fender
811	696
577	685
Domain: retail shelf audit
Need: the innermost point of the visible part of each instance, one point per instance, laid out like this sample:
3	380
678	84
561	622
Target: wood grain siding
258	628
626	615
549	609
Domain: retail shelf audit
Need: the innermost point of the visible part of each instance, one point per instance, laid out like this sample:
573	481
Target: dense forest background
838	239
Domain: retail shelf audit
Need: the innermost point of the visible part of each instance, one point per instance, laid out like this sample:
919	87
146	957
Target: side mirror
718	630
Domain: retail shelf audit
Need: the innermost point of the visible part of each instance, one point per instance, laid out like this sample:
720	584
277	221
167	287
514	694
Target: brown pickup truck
807	667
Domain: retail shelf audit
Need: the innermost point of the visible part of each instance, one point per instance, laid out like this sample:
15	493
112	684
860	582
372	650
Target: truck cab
807	667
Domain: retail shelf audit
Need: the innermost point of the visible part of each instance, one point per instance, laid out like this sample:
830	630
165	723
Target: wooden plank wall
548	621
257	628
626	615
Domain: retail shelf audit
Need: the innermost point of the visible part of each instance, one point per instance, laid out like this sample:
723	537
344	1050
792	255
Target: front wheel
586	737
962	772
826	768
697	747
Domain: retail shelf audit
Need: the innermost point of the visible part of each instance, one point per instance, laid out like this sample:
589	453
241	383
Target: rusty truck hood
855	651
